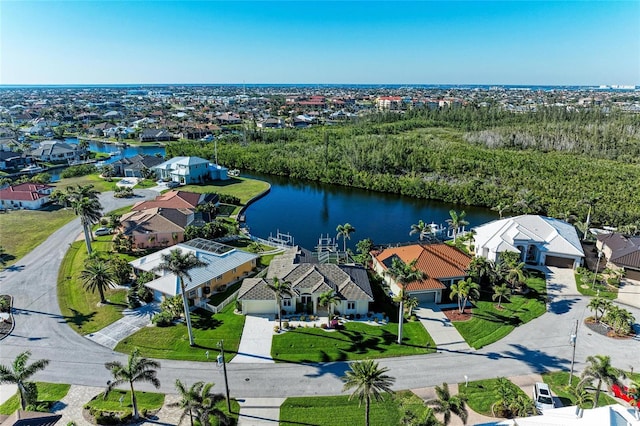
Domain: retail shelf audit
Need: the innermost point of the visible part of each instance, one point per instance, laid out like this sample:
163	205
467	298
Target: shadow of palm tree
78	318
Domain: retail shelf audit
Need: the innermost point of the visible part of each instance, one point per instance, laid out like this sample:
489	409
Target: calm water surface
306	210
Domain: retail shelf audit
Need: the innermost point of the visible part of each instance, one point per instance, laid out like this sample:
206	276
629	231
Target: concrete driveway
131	321
444	334
629	293
560	281
255	344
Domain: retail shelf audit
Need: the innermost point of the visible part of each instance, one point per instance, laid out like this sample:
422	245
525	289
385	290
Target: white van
542	397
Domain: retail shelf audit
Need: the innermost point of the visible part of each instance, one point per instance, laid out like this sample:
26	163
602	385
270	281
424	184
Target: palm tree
403	274
180	264
600	370
280	288
200	400
329	299
446	404
411	303
98	275
581	395
345	232
84	202
456	222
137	369
501	208
465	290
19	373
599	304
499	292
591	201
421	228
483	270
514	273
522	406
368	381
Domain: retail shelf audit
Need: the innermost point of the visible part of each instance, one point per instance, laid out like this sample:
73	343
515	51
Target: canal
307	210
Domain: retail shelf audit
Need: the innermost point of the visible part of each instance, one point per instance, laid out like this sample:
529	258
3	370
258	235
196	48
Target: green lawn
243	188
482	394
488	324
558	381
357	341
585	287
28	224
80	308
146	401
173	342
98	183
48	393
339	411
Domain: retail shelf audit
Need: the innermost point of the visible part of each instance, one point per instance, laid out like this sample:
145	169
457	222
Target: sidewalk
260	411
441	329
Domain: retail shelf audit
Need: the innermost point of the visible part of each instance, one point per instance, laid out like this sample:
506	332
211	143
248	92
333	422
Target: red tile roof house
443	264
30	196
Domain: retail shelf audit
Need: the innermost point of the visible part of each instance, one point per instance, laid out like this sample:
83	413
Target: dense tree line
432	154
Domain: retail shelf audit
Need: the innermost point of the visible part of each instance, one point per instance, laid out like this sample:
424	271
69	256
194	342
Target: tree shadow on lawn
206	323
499	318
78	318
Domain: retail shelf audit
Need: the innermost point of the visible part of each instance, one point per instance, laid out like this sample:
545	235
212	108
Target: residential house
224	265
13	160
539	240
31	196
133	166
156	226
177	200
155	135
622	252
308	281
389	102
189	170
57	152
443	265
609	415
228	119
271	123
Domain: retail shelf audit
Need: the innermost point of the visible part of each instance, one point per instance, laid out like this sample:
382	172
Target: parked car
102	231
542	397
173	184
622	392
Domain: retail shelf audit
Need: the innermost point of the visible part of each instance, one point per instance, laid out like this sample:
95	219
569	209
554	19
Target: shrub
285	324
323	326
303	318
238	306
162	319
80	170
276	329
357	316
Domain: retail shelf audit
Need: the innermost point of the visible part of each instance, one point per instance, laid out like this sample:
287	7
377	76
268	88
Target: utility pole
224	370
595	274
572	341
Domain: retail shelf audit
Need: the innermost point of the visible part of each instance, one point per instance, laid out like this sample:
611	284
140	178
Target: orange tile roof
438	261
171	200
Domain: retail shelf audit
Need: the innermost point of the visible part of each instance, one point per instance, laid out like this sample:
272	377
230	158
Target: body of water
309	210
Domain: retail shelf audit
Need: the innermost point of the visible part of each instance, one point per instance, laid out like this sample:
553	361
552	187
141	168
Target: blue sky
414	42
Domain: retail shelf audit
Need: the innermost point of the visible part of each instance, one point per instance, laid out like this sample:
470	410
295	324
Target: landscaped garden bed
116	408
6	319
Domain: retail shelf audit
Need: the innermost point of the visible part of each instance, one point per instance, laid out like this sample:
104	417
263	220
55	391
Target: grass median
48	394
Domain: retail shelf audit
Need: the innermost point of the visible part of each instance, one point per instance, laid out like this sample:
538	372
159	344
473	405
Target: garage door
632	275
560	262
429	297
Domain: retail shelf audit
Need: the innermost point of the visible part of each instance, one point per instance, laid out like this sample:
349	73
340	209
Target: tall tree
591	201
599	369
345	232
137	369
447	404
465	290
483	271
367	380
199	400
85	204
456	221
403	274
19	373
280	289
599	305
179	264
98	275
328	299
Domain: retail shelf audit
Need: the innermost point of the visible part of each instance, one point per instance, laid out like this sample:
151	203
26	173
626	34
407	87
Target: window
192	293
286	303
351	305
235	270
219	277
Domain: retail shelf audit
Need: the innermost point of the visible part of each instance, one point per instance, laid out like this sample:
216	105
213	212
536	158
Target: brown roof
29	418
438	261
625	251
151	221
175	200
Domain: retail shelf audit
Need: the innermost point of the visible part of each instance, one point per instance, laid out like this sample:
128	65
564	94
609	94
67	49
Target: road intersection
535	347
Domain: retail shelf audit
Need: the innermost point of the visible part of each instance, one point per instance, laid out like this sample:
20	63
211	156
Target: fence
221	306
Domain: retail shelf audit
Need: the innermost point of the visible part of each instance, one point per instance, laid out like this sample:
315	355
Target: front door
307	303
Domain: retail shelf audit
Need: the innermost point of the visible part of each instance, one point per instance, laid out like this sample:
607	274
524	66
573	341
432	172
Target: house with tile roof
224	265
308	281
622	251
539	240
177	200
156	227
31	196
133	166
57	152
442	263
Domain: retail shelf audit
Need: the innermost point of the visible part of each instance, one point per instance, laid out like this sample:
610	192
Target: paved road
535	347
